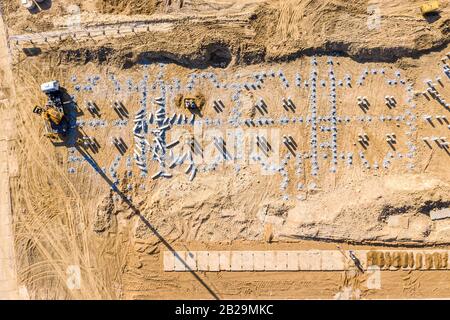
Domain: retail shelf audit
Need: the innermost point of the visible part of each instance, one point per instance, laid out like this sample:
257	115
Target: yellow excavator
190	102
55	120
430	7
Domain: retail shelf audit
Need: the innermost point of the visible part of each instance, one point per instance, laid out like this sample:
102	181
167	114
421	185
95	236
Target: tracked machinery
190	102
55	119
430	7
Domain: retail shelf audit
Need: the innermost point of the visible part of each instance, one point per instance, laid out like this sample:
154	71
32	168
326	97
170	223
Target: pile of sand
128	7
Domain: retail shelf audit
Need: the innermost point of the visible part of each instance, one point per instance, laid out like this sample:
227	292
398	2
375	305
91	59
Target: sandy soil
265	31
144	273
111	226
8	275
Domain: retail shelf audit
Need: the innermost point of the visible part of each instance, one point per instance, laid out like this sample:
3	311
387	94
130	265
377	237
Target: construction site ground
96	220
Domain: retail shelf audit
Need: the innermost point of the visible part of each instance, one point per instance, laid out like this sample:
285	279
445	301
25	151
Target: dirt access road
8	274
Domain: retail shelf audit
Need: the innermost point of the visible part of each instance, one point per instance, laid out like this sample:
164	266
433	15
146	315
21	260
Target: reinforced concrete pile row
407	260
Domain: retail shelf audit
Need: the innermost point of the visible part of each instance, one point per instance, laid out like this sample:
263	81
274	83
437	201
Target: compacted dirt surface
319	128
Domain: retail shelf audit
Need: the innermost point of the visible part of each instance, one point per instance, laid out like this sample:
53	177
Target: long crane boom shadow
137	212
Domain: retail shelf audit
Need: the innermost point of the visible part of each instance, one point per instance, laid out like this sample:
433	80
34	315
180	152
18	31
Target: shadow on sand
73	138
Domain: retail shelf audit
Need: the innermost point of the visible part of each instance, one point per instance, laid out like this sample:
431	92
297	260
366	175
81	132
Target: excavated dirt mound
128	7
253	31
366	30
